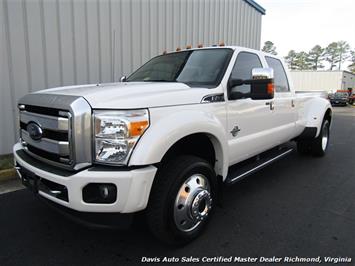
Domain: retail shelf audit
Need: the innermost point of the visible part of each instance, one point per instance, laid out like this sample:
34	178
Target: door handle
271	104
292	103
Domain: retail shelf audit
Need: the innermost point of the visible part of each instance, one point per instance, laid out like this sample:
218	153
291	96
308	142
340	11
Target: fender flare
164	133
315	111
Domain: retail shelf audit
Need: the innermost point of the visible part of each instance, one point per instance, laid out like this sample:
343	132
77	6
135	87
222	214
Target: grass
6	162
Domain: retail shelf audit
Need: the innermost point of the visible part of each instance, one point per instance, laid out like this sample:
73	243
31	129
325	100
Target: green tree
332	54
290	59
343	50
352	60
269	47
315	57
301	61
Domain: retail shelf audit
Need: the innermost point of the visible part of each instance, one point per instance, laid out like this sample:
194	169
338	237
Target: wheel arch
316	111
328	115
203	145
194	130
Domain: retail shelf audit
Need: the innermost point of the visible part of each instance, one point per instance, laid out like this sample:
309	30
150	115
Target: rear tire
320	144
317	146
182	200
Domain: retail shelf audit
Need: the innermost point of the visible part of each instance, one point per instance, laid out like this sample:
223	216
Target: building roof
256	6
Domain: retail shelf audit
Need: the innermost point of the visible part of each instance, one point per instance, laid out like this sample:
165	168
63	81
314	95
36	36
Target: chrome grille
54	145
65	123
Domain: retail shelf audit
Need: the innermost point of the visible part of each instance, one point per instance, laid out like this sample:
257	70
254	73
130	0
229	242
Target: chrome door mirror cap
262	73
123	79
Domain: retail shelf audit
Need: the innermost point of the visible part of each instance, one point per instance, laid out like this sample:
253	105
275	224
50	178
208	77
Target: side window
280	78
242	70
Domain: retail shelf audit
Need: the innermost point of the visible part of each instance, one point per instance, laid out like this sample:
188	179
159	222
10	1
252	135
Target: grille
56	129
54	143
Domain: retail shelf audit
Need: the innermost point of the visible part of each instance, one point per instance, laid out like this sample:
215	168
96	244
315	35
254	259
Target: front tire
182	200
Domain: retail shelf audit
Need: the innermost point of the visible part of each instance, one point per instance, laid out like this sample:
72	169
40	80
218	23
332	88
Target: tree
301	61
332	54
269	47
352	60
290	59
343	50
315	57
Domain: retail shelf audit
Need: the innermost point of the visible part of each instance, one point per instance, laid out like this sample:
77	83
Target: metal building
330	81
49	43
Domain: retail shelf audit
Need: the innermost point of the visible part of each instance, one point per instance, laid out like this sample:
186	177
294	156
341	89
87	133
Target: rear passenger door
284	111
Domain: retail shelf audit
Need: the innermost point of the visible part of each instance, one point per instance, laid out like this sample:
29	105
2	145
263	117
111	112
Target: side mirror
123	79
262	84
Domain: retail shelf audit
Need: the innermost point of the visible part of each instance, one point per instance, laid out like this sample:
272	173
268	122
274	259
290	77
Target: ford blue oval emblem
35	131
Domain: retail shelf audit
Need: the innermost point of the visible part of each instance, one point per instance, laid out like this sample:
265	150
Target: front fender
169	126
315	110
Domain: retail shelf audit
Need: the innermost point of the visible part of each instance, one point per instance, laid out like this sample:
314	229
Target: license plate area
36	184
29	179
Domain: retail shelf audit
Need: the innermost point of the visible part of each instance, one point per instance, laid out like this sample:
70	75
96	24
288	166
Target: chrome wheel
193	203
325	136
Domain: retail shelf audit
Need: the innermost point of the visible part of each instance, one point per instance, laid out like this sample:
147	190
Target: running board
240	170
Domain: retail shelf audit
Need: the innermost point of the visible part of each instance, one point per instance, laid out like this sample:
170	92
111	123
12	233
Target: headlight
116	134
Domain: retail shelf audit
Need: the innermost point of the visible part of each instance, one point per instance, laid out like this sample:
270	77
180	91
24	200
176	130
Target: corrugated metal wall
322	80
48	43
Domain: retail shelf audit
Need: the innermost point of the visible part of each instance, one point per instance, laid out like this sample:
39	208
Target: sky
302	24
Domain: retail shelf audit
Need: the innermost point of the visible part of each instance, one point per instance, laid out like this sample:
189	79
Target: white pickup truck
166	139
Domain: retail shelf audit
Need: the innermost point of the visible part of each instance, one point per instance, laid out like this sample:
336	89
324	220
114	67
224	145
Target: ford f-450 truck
163	141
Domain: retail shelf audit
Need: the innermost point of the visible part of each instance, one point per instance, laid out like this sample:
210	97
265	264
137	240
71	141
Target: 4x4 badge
235	131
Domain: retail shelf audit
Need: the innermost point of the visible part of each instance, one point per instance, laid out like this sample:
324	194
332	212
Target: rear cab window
280	77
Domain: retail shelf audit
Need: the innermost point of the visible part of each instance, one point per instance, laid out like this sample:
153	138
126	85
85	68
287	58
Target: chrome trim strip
61	102
45	121
60	165
17	168
80	133
58	147
213	98
260	166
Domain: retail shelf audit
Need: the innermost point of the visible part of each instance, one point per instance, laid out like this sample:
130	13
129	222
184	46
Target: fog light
104	191
100	193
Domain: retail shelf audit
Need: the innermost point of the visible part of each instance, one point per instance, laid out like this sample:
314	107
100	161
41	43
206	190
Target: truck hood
133	94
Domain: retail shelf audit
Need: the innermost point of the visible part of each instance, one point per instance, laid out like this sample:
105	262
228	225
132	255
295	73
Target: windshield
341	94
196	67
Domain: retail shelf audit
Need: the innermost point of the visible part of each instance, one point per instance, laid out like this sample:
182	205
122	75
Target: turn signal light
270	88
137	128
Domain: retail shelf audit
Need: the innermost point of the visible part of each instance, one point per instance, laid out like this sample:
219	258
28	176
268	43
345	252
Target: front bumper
133	186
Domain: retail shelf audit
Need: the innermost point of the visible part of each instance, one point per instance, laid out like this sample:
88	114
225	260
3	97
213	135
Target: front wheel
182	200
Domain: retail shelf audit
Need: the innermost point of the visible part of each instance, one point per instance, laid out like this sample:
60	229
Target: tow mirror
123	79
261	85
